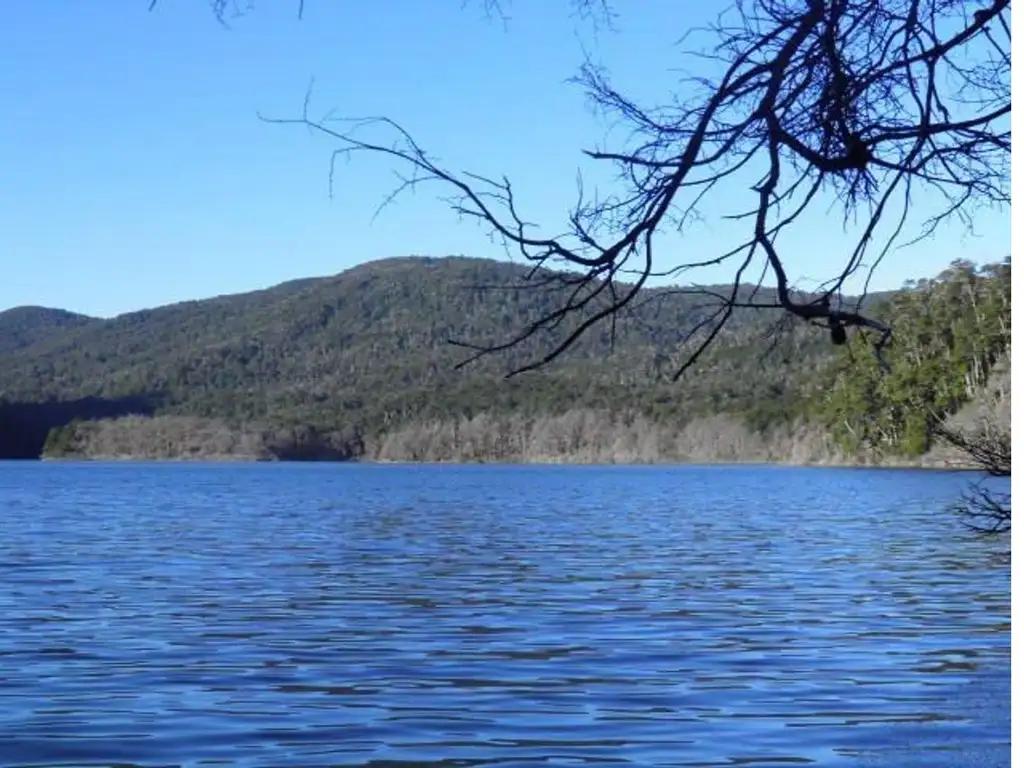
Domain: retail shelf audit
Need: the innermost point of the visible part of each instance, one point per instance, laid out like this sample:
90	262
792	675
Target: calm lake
344	615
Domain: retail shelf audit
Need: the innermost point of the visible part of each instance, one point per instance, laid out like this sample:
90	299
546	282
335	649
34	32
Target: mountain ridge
23	326
365	352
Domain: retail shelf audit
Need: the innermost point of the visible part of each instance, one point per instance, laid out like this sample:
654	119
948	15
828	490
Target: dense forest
949	335
359	365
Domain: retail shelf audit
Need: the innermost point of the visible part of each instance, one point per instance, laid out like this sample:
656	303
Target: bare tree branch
985	445
984	510
857	105
224	10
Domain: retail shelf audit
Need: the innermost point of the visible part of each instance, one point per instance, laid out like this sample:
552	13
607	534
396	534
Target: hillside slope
337	367
24	327
373	339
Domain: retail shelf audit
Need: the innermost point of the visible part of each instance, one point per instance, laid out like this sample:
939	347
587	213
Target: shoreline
934	465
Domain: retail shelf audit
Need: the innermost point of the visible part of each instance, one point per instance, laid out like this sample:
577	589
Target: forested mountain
25	326
344	366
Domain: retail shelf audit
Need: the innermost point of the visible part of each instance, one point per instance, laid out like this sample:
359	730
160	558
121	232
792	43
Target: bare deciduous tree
985	445
859	106
982	441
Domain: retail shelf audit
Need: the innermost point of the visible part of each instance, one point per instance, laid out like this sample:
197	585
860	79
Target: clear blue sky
136	173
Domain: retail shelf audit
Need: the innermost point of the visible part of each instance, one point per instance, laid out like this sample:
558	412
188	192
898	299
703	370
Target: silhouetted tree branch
984	510
985	445
858	105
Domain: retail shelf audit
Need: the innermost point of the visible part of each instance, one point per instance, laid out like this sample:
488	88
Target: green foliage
370	347
948	334
61	441
365	352
24	326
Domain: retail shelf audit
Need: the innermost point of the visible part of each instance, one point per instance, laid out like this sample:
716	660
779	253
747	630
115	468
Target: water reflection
314	616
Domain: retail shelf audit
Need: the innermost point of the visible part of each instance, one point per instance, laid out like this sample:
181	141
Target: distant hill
374	339
23	327
365	353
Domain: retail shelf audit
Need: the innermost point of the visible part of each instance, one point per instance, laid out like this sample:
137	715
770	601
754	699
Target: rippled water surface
288	615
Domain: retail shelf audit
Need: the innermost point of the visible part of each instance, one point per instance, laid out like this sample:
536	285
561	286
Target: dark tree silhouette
986	444
856	106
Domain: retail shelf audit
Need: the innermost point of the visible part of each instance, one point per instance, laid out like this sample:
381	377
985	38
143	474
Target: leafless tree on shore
985	445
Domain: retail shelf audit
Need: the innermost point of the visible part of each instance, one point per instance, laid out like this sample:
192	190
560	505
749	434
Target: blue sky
136	172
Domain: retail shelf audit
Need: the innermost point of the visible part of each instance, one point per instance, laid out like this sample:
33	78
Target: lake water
342	615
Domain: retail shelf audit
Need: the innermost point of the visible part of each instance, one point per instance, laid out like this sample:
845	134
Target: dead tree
985	446
858	106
